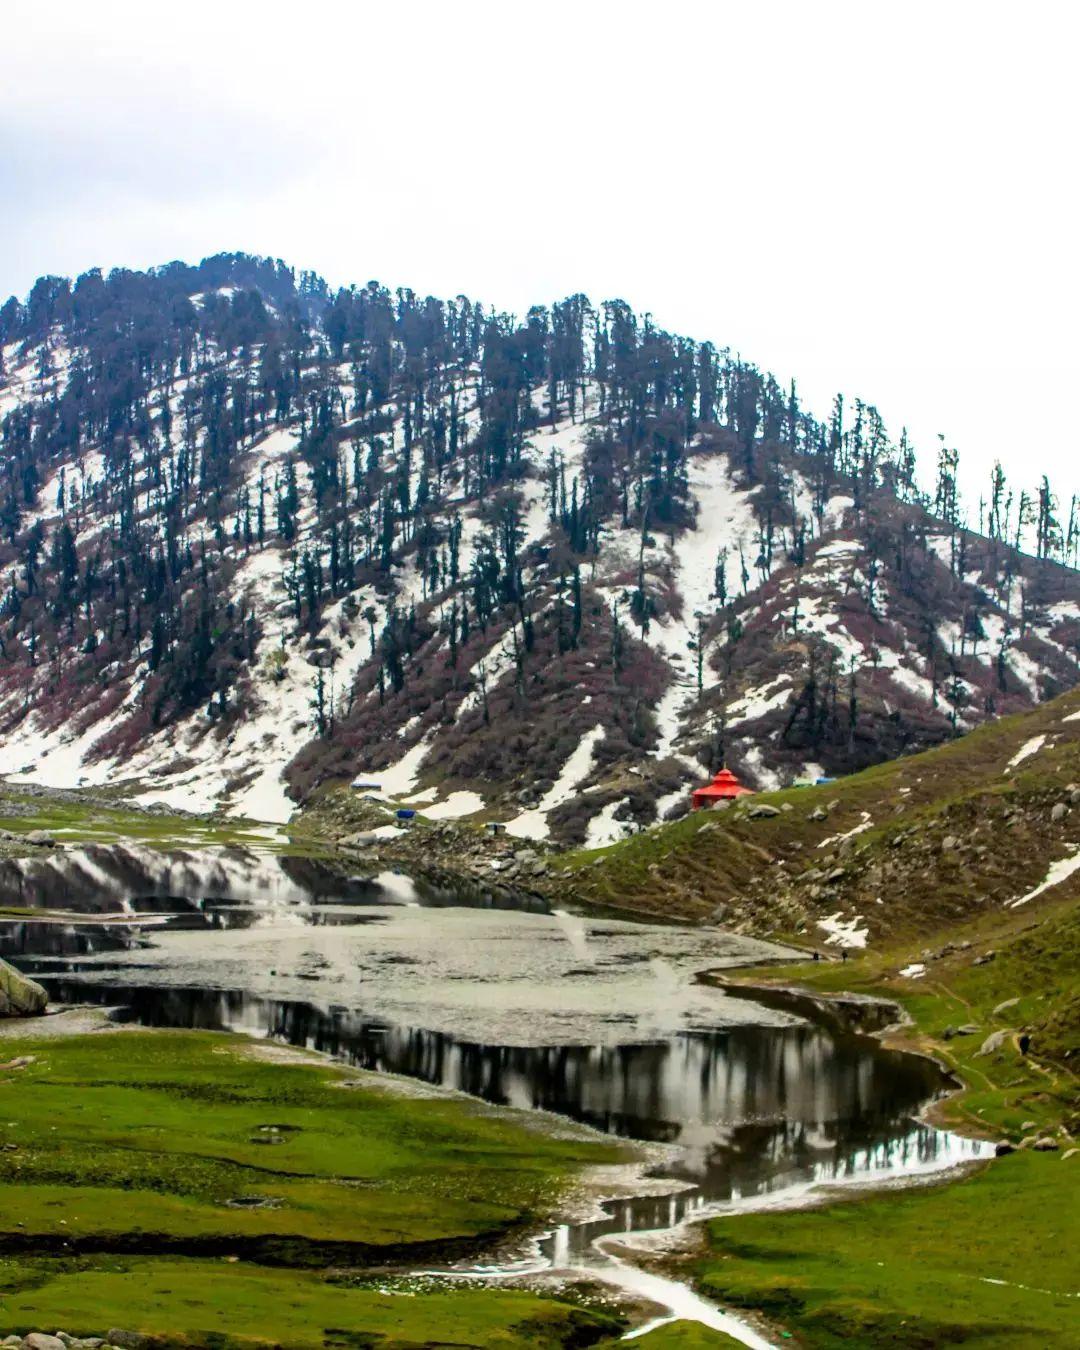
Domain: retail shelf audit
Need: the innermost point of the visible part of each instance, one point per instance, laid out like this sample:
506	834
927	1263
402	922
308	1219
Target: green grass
201	1303
910	1268
682	1336
140	1141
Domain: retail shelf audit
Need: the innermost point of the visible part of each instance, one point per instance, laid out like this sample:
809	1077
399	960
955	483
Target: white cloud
866	197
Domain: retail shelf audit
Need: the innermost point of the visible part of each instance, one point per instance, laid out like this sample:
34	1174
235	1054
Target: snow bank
532	824
843	932
1028	749
1059	871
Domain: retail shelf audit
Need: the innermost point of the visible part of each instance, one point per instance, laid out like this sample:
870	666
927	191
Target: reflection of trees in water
740	1090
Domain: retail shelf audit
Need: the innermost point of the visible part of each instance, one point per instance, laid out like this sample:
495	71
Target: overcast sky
875	198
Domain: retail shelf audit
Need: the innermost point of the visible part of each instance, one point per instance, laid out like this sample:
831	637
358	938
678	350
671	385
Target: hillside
975	837
258	537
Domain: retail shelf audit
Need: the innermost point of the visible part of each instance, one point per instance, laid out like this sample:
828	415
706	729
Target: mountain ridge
260	537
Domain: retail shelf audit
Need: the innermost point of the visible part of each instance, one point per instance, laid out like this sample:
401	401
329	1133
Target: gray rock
993	1042
127	1340
949	843
1070	1153
985	959
320	658
1003	1007
819	813
19	997
41	839
38	1340
1002	1147
762	811
1046	1145
1058	812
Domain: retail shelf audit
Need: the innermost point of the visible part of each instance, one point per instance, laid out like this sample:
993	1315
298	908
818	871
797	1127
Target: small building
725	787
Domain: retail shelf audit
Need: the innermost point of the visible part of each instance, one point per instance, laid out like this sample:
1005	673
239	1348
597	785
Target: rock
968	1029
40	838
1045	1145
837	874
949	843
1028	1125
1074	797
819	813
993	1042
1003	1147
127	1340
787	806
1058	812
524	855
1070	1153
762	811
985	959
1002	1007
320	658
38	1340
19	997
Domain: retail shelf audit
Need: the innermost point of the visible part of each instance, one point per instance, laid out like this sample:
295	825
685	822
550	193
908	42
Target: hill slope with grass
985	827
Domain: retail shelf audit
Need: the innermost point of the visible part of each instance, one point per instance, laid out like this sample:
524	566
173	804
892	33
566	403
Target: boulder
1058	812
1003	1007
993	1042
40	838
819	813
762	811
19	997
127	1340
38	1340
1002	1147
320	658
1045	1145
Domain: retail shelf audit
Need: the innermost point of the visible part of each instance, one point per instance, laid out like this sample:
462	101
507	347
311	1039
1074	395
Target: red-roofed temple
725	787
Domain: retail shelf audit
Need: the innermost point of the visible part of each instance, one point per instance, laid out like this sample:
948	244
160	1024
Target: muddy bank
843	1012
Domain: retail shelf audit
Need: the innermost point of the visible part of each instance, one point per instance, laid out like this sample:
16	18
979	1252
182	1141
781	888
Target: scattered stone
127	1340
819	813
1028	1125
321	659
1070	1153
993	1042
1046	1145
787	806
38	1340
1003	1007
1003	1147
837	874
1058	812
762	811
949	843
40	838
985	959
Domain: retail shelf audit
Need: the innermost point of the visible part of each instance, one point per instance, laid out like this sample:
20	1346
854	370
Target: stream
592	1018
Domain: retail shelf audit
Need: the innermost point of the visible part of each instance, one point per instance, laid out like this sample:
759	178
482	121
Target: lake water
500	996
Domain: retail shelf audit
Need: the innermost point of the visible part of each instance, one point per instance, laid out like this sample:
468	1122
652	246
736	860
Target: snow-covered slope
785	627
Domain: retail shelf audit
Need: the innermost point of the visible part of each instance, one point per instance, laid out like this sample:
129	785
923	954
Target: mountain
258	537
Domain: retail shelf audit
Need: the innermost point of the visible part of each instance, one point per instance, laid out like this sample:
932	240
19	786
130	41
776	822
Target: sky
878	199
